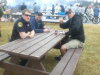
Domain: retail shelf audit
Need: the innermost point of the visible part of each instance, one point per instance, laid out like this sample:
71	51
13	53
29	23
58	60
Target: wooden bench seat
3	56
67	65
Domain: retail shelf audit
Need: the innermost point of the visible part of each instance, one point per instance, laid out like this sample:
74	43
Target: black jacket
20	26
75	26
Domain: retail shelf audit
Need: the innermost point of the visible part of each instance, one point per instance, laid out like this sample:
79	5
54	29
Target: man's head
26	14
70	13
38	16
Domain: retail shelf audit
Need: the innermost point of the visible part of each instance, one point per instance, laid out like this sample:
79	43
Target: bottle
56	32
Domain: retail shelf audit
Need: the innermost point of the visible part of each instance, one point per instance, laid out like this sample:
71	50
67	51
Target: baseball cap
69	11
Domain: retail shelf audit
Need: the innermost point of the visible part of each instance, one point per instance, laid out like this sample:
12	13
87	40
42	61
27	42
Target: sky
30	2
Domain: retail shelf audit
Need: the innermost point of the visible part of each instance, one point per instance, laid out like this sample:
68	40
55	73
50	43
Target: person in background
36	8
57	9
37	24
75	33
23	6
96	11
89	11
62	8
53	10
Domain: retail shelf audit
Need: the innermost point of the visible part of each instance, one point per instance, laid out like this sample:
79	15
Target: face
26	16
70	15
38	17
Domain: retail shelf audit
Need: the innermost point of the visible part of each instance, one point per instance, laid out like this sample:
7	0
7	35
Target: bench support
33	67
67	65
36	65
21	69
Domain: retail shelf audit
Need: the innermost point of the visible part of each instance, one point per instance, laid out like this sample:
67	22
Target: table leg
36	65
14	60
32	67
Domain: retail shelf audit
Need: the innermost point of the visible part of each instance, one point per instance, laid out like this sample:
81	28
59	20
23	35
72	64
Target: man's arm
44	27
28	34
38	30
32	33
64	25
24	35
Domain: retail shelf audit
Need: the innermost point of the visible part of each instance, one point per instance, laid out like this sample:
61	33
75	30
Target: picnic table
55	16
34	50
52	21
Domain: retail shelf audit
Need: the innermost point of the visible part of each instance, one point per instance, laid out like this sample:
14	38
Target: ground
89	63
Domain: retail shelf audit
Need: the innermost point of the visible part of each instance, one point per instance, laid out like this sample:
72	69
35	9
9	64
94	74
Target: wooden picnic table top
33	48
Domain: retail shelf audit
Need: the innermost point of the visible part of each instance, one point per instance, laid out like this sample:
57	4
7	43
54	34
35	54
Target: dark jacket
37	26
23	7
20	26
96	12
75	27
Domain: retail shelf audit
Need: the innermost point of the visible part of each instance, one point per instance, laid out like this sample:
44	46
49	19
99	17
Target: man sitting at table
75	33
22	27
37	24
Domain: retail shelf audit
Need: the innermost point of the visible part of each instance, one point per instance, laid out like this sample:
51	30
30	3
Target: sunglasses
27	15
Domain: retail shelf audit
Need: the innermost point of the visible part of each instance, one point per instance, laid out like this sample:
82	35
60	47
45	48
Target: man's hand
62	32
61	20
28	34
46	30
31	35
24	35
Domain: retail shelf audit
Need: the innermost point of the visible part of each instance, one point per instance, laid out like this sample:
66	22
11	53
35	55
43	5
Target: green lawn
89	63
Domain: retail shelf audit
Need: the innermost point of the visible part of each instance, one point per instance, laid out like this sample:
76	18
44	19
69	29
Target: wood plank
32	43
27	45
1	53
35	64
14	60
24	42
50	44
21	69
59	68
4	56
70	68
21	43
38	45
18	48
11	43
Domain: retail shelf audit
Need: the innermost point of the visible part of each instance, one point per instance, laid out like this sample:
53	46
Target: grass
89	63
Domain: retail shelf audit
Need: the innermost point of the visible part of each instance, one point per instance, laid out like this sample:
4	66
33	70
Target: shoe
23	62
58	58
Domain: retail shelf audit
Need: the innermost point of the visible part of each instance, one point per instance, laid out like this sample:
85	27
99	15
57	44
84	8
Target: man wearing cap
75	33
37	24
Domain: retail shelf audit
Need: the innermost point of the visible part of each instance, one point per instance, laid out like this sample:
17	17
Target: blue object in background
48	17
61	13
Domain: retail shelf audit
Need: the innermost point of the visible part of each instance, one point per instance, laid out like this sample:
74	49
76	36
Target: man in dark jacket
76	33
